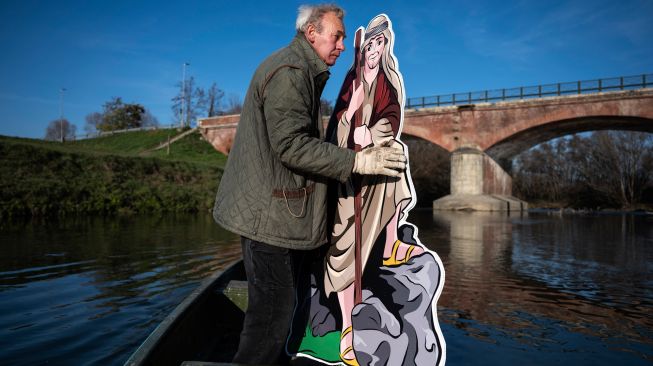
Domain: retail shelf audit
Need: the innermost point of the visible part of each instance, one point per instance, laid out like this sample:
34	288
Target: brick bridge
480	136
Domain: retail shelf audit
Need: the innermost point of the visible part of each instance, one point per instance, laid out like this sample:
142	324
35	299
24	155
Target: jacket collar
315	63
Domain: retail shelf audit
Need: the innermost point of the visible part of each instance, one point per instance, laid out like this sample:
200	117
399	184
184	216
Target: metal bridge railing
532	92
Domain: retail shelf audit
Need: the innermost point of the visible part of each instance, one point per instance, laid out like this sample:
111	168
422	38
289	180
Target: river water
531	289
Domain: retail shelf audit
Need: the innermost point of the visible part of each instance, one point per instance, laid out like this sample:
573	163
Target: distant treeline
603	169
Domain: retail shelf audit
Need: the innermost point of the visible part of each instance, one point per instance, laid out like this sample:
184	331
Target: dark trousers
272	273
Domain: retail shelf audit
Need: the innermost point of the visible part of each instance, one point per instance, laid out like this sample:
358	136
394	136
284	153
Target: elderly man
273	192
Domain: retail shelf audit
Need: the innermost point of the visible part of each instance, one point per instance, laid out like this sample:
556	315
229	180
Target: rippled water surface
545	290
90	291
531	289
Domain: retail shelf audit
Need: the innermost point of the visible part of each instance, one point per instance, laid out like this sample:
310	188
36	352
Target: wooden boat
204	329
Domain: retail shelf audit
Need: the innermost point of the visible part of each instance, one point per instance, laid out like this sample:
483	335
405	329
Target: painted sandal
348	361
392	261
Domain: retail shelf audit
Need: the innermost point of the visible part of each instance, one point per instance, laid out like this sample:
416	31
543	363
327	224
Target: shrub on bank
38	181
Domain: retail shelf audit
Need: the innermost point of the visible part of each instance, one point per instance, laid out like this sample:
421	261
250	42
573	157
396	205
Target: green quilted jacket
274	187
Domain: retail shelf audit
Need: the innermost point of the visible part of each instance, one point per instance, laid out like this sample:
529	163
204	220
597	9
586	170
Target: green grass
126	143
108	175
192	148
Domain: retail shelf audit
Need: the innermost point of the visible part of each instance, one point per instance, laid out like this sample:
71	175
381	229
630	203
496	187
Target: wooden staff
356	179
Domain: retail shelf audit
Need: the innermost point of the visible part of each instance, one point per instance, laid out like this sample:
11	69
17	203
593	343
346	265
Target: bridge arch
416	127
508	148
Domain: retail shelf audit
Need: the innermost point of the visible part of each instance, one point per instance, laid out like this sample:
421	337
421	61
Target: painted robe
381	113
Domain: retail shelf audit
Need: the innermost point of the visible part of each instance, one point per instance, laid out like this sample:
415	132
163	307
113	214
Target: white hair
312	14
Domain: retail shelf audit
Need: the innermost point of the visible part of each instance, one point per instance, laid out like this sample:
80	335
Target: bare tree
214	100
234	105
192	99
60	130
605	168
615	165
93	121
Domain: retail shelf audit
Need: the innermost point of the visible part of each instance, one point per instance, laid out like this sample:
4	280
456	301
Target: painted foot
406	249
347	355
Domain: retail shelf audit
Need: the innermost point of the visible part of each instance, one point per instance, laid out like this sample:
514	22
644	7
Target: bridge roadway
483	136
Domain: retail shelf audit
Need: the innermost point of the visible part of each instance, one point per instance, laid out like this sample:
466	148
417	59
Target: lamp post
183	93
61	91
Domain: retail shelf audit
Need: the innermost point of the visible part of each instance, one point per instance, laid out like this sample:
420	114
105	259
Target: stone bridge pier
478	183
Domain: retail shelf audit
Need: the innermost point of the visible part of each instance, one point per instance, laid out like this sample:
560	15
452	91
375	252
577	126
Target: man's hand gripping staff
380	160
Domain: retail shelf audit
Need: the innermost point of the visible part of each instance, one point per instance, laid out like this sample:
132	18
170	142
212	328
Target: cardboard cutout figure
373	294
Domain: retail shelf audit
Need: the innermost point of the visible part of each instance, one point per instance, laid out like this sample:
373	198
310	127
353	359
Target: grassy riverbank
108	175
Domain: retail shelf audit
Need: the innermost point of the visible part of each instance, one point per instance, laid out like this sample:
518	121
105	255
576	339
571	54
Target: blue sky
135	49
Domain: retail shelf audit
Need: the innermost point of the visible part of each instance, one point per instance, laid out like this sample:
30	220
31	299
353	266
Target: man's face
329	43
374	50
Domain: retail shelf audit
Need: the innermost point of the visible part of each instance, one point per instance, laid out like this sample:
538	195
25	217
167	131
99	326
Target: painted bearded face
374	51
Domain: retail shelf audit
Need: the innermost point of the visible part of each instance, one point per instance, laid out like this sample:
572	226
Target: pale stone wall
467	172
478	183
474	172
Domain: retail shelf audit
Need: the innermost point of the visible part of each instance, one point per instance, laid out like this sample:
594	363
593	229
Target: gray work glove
380	160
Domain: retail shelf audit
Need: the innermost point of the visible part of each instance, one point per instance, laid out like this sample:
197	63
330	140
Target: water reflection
519	289
96	287
540	279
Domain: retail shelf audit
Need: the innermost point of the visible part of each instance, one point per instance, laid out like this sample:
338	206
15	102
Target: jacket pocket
291	214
